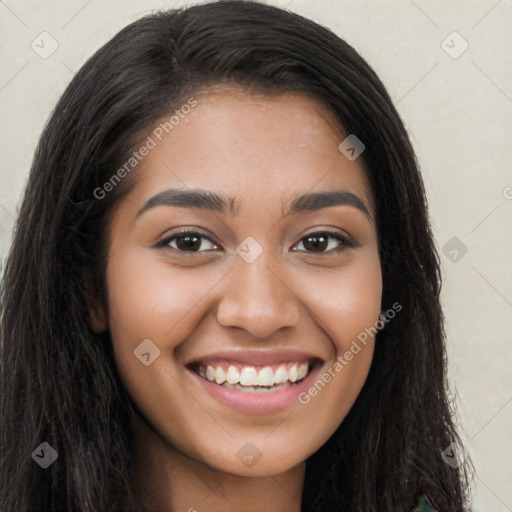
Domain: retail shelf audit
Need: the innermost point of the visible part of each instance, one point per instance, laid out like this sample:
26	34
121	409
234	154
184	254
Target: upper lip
257	357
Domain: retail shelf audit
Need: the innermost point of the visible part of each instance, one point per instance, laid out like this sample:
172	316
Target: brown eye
324	241
188	242
316	243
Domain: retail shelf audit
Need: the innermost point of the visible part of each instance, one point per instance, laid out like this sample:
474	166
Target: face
241	268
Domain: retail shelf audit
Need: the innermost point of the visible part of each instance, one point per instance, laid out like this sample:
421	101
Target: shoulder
423	504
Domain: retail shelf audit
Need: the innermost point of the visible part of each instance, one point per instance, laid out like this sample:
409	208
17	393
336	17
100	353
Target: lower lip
257	403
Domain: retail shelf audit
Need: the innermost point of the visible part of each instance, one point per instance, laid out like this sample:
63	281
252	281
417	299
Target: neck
165	480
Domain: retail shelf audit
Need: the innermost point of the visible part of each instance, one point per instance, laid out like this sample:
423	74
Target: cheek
345	301
151	300
346	305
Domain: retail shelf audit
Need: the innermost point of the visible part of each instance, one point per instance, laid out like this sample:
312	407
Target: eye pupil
188	242
316	242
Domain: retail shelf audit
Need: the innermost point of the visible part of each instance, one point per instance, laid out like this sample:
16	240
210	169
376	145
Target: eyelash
345	242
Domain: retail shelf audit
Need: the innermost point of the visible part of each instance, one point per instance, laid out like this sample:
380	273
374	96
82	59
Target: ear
97	316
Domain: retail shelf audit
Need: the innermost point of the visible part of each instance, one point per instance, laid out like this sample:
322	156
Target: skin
263	151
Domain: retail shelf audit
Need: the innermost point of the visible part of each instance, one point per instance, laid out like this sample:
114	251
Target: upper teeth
249	376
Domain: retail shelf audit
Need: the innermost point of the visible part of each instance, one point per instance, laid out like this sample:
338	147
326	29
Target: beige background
458	109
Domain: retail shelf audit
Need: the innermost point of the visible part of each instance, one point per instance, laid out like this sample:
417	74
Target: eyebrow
218	202
334	197
192	198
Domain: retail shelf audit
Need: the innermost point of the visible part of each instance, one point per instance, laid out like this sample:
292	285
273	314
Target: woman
223	291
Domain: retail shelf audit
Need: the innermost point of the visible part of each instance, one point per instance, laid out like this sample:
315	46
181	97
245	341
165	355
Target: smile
255	382
253	379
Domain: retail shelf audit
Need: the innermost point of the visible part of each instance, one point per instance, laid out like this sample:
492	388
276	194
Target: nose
257	299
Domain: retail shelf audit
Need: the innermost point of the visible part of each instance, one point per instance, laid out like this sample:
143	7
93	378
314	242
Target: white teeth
281	376
248	377
233	376
302	371
265	377
292	373
257	389
220	375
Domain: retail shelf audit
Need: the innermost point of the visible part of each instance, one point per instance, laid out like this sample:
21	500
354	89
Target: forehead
252	147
